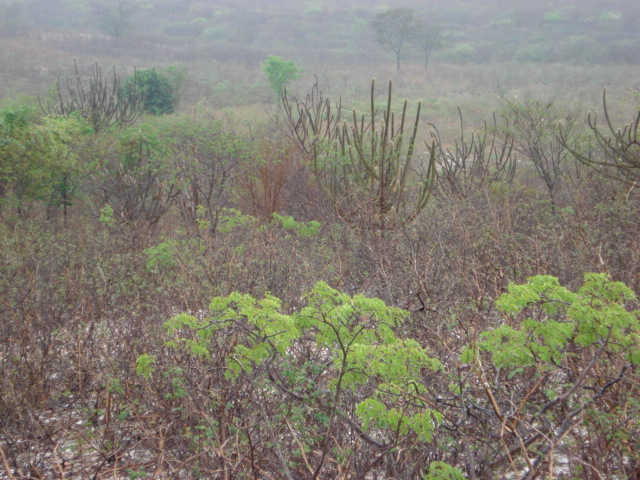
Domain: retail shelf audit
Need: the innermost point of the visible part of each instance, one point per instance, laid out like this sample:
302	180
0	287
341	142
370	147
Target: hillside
431	275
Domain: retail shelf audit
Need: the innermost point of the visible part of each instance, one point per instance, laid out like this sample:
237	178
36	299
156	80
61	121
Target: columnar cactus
619	152
366	167
101	103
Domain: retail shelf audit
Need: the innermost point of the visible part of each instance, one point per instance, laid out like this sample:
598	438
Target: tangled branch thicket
350	350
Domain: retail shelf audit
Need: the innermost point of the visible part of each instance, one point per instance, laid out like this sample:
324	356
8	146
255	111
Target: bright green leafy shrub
144	365
302	229
559	323
442	471
577	353
325	356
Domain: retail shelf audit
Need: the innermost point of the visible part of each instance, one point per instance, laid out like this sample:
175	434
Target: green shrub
533	52
460	53
279	73
159	93
186	29
217	32
554	17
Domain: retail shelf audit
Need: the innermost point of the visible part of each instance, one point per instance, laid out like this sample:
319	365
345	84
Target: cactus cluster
367	165
101	103
484	157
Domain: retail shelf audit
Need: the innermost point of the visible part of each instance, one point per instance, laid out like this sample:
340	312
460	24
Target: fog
475	31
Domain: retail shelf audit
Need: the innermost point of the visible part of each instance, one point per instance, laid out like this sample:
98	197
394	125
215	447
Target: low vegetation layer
339	284
182	298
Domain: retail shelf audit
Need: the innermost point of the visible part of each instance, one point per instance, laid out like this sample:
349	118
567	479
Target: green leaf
144	365
443	471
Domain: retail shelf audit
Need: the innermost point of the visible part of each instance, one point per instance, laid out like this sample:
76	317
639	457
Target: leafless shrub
208	163
265	181
138	187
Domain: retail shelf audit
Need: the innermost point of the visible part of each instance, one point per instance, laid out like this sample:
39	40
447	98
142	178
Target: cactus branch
100	102
619	148
366	167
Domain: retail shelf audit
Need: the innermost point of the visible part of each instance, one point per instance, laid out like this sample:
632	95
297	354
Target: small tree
21	166
39	159
279	73
137	181
114	17
393	29
207	160
560	378
429	38
534	124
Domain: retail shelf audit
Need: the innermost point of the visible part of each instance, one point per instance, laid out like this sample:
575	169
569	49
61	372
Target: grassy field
220	76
